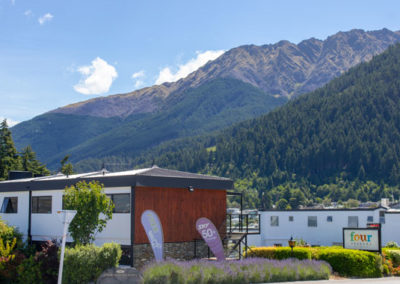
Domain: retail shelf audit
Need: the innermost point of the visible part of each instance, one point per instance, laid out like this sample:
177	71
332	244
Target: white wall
49	226
391	228
325	234
20	219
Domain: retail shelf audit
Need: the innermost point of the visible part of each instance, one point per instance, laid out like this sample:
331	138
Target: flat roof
326	209
150	177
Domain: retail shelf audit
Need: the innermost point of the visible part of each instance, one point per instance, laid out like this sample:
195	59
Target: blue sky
57	52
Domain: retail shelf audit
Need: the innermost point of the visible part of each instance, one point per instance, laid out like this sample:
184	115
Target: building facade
322	227
179	198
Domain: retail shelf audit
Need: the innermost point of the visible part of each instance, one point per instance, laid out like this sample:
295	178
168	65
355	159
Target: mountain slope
216	104
348	129
126	125
281	69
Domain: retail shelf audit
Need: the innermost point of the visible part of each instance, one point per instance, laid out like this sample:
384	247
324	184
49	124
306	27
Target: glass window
122	202
274	221
10	205
382	217
353	222
291	218
312	221
329	219
41	204
370	219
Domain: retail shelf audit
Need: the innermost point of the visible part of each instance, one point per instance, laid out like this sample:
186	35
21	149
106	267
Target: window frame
370	219
9	200
348	222
329	219
35	209
309	224
291	218
111	196
272	223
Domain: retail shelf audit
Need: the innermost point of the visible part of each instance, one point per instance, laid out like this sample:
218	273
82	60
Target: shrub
352	262
394	256
9	261
49	262
85	263
29	271
250	270
8	233
391	245
280	252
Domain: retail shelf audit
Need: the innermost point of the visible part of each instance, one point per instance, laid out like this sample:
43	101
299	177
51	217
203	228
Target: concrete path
120	275
386	280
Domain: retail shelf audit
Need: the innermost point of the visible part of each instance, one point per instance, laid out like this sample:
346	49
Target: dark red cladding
178	209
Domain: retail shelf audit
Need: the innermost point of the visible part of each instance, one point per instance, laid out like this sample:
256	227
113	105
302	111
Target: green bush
85	263
392	244
280	252
8	233
394	256
29	271
352	262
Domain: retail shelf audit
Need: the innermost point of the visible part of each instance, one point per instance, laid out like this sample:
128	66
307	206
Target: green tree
66	168
9	159
297	199
31	164
282	204
89	200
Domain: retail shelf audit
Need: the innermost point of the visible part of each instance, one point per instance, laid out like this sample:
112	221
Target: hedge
83	264
280	252
394	256
343	261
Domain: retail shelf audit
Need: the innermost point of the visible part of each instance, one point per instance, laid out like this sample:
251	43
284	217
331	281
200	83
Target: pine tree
9	159
31	164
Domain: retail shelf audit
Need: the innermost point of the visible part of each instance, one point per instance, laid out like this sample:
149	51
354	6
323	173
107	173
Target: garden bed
250	270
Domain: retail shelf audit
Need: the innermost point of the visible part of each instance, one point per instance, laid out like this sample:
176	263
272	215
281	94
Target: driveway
386	280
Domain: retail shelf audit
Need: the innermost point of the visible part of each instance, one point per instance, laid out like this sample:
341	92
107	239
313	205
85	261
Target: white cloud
138	74
28	13
45	18
10	122
166	75
97	78
137	78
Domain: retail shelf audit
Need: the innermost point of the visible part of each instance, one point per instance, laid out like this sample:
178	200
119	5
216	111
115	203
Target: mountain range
243	83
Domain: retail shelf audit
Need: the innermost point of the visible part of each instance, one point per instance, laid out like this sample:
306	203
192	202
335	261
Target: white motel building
323	227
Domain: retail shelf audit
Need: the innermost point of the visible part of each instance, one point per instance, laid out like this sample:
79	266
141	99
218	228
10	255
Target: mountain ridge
281	69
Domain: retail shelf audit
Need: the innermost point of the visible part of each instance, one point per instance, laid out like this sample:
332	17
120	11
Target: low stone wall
143	254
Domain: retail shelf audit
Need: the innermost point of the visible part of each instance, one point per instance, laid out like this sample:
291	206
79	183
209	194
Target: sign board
362	239
211	236
152	226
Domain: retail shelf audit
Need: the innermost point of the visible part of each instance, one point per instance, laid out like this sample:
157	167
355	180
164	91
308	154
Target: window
382	217
353	222
312	221
370	219
274	221
41	204
10	205
291	218
329	219
122	202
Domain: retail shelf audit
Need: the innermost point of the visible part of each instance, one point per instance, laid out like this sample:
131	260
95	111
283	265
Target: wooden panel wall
178	209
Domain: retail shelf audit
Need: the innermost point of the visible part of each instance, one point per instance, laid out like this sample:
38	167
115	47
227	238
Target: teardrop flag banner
152	226
211	236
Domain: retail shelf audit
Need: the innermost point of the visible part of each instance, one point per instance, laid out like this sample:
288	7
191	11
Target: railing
243	223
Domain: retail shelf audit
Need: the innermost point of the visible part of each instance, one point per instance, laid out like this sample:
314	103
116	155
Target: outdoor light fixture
190	188
292	243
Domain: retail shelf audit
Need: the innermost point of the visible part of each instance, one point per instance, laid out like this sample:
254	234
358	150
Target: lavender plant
250	270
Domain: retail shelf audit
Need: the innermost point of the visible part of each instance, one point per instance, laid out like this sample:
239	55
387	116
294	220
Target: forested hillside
346	132
244	82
